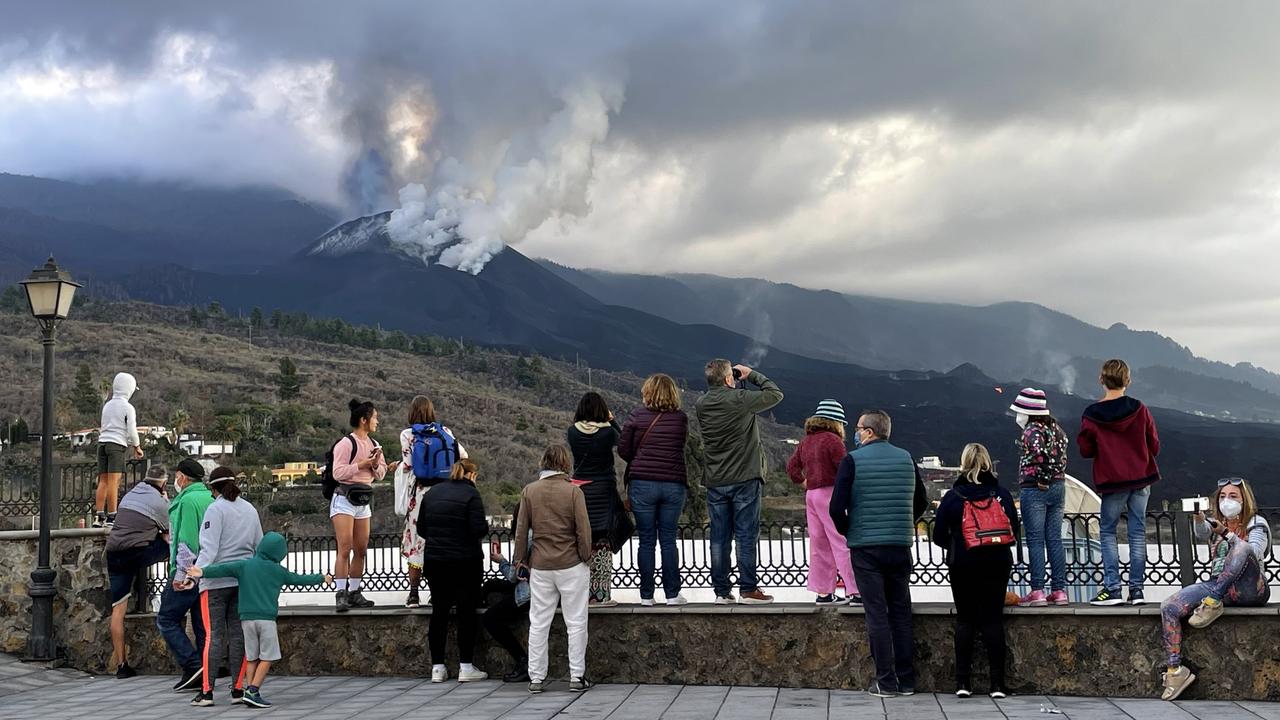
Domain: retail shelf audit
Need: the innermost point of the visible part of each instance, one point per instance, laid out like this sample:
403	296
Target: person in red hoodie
814	466
1119	434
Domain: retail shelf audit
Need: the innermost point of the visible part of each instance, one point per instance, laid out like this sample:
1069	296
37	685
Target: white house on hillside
194	444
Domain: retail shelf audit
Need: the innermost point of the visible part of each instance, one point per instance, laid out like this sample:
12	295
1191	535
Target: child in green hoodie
261	578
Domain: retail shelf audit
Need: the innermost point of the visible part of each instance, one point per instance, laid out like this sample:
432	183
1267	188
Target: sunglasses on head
1223	482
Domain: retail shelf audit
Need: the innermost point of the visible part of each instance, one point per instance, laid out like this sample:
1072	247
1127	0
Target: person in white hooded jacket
117	440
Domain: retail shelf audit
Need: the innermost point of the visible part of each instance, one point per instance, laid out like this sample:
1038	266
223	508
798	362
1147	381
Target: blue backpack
434	451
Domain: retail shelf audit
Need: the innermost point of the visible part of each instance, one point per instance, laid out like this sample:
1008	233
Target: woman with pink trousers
814	466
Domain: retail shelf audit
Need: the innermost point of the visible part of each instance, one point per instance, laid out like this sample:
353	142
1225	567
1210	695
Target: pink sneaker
1035	598
1059	597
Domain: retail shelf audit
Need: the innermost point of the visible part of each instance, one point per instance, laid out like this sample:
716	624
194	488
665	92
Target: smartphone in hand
495	548
522	573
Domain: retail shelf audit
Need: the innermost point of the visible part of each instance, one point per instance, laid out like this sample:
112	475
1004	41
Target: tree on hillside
288	382
215	309
255	319
289	422
84	396
179	420
17	430
277	319
13	300
226	429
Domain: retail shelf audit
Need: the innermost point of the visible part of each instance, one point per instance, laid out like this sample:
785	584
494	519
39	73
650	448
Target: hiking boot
580	684
356	599
1175	681
1136	597
1209	610
341	601
678	600
237	697
412	601
124	672
253	698
1059	597
1035	598
755	597
190	679
1107	598
876	691
439	673
472	675
535	687
202	699
519	673
829	599
726	599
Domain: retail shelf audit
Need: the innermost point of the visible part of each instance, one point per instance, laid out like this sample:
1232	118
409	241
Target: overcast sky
1117	161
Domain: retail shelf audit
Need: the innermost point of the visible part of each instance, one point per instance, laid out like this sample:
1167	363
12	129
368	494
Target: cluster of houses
190	443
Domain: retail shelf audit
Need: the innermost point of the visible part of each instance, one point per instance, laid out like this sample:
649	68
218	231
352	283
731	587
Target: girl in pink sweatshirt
814	466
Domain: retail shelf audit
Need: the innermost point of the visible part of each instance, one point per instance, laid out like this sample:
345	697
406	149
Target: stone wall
81	603
1068	651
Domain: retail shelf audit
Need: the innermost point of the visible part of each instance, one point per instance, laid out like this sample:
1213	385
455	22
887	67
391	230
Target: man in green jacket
181	597
261	578
728	418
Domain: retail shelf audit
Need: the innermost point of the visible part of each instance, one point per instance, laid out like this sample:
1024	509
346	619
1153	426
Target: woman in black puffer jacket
452	526
653	444
592	438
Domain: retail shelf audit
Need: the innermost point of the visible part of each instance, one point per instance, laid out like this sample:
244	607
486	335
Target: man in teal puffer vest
878	499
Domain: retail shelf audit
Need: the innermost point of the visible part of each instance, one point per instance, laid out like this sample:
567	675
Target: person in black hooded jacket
979	577
592	438
452	525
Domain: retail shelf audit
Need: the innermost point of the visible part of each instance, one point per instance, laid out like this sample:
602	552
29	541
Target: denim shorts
340	505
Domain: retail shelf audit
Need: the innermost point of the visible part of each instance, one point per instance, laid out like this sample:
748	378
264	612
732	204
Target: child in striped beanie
814	466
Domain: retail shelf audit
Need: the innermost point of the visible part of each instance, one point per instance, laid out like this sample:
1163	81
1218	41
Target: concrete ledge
54	534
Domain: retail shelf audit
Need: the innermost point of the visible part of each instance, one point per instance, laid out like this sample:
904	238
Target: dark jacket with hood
948	521
592	444
261	578
1120	436
653	443
451	522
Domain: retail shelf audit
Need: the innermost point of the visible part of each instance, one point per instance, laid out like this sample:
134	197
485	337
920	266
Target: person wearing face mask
1042	472
1238	540
180	597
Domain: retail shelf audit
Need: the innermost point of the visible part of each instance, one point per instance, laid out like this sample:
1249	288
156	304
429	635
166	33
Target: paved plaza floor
31	692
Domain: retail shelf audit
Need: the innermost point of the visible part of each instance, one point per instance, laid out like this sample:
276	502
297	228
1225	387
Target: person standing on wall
117	441
878	500
728	417
977	525
1042	475
452	526
231	532
653	445
137	541
1119	435
814	465
429	448
592	438
358	462
553	512
180	597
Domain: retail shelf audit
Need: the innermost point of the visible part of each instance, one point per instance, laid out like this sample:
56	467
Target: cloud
1118	162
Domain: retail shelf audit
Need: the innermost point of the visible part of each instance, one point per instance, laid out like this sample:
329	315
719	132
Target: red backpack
984	523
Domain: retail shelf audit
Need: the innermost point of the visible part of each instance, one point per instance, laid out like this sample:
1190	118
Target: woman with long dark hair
592	439
357	463
423	429
231	532
452	525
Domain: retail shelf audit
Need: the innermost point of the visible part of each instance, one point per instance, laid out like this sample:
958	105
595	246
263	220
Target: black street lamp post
49	294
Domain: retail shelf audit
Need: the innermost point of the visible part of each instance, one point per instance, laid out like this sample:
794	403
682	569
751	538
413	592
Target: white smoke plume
470	217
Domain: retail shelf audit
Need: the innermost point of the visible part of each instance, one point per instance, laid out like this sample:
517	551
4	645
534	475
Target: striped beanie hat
1031	402
831	410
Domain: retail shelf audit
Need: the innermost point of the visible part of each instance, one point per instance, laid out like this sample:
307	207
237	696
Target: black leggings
979	584
500	619
453	585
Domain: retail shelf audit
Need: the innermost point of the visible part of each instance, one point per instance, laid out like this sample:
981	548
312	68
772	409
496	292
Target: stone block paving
36	692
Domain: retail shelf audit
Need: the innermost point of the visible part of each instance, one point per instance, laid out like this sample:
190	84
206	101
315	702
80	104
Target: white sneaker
472	675
439	674
646	602
726	599
678	600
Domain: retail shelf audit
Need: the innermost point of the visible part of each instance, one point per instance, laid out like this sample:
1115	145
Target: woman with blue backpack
976	525
428	451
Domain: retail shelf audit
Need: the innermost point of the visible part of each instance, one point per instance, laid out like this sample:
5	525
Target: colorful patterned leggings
601	574
1241	584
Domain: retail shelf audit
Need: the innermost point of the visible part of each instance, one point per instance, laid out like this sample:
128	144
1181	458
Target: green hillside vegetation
277	384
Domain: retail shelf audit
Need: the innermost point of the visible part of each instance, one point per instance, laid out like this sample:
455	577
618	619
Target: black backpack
327	482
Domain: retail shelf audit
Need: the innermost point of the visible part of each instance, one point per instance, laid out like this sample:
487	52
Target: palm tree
179	420
226	429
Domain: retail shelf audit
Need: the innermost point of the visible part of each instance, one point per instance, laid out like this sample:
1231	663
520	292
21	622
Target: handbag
623	524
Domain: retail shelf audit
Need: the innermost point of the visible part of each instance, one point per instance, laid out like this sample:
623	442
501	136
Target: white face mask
1021	419
1230	508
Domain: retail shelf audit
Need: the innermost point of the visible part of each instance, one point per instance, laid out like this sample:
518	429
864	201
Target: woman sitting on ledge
1238	540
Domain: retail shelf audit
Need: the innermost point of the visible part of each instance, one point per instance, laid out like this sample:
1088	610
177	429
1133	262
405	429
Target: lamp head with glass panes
50	291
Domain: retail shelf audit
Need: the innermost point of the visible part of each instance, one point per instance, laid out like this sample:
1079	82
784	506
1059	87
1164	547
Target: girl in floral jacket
1042	472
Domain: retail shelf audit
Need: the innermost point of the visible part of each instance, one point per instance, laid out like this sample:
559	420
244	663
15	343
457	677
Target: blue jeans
1134	504
175	605
735	515
1042	522
657	507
